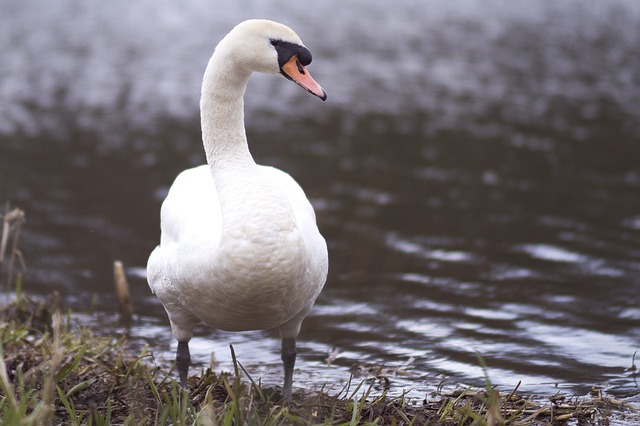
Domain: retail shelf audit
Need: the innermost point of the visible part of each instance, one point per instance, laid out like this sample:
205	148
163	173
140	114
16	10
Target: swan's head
269	47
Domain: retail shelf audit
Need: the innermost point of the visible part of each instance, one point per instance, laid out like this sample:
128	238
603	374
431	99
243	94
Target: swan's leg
182	325
183	359
289	361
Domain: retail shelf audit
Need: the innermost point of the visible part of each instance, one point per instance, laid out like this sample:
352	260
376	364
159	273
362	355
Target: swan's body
240	249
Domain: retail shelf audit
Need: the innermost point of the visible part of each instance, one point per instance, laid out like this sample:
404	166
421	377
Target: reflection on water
475	173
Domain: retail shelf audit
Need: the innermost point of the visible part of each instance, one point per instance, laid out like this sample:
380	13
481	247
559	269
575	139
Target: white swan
240	249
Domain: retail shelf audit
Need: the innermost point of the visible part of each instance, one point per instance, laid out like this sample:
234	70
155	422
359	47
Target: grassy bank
52	372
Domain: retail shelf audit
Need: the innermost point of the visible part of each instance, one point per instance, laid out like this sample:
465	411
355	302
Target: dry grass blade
122	292
237	363
12	221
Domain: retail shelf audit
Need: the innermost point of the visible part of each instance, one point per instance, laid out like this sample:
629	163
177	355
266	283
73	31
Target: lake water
475	171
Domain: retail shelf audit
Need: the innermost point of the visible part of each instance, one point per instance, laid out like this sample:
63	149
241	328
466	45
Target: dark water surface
475	171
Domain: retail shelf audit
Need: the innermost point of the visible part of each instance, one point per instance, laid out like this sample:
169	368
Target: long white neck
222	115
239	182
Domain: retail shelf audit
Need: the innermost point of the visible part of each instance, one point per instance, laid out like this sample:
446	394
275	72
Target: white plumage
240	249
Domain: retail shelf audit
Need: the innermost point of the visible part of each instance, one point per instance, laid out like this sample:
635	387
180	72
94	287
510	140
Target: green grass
52	372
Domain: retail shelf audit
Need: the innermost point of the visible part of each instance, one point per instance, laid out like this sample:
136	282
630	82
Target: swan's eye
274	43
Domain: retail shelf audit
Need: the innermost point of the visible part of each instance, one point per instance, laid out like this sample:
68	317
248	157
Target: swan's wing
299	202
191	224
316	246
191	209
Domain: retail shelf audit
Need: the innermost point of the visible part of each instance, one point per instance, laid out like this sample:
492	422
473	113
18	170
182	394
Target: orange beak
295	71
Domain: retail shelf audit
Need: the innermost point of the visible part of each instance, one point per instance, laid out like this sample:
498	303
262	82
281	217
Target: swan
239	246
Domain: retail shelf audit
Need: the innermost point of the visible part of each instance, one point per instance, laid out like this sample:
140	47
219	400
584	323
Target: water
474	171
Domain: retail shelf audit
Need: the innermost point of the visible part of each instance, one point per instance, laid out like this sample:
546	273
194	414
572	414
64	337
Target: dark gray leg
288	361
183	359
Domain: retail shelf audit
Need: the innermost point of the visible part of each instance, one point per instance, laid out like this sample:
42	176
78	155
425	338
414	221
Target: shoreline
52	372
